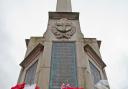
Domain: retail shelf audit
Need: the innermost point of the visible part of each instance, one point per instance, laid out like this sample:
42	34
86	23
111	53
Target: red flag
37	87
24	86
19	86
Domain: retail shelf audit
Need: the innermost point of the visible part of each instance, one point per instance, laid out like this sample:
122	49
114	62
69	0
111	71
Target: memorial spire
63	6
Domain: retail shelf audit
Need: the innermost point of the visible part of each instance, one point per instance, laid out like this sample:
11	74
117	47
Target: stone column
63	6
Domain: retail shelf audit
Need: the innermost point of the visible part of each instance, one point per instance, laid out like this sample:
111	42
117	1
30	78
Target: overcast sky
106	20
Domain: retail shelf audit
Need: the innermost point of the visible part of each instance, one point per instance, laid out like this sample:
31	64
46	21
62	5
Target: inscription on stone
63	65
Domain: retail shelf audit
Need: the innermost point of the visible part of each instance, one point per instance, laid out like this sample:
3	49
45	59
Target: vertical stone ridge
63	6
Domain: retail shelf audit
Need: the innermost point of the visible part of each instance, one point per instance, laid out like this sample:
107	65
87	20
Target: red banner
19	86
23	86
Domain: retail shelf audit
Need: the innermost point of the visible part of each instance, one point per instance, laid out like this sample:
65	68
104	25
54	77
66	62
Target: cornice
32	55
95	56
68	15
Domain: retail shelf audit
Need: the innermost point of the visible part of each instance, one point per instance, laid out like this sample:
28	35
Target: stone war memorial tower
62	54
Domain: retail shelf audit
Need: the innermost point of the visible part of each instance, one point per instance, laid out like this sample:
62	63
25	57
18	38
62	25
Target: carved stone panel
63	28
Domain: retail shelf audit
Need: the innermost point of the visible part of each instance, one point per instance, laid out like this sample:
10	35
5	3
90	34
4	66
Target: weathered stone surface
64	6
87	49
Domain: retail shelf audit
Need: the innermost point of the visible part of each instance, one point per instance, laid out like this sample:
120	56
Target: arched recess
96	58
95	63
29	65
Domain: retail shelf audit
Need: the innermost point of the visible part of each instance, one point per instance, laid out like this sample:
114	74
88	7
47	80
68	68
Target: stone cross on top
63	6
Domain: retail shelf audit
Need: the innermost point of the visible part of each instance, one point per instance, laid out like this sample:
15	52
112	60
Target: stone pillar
63	6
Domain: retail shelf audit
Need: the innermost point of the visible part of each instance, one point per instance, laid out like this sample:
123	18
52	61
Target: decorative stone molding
68	15
32	55
63	28
89	40
90	52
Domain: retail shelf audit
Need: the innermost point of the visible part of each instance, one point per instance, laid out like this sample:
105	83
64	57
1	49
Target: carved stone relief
63	28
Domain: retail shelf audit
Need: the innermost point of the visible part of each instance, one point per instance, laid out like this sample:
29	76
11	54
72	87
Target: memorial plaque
63	64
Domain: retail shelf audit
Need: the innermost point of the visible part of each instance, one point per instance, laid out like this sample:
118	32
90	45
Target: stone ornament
63	28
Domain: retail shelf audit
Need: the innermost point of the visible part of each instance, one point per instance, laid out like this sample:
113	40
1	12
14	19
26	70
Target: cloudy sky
106	20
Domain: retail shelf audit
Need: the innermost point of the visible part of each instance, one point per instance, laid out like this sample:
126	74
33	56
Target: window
30	74
95	73
63	64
